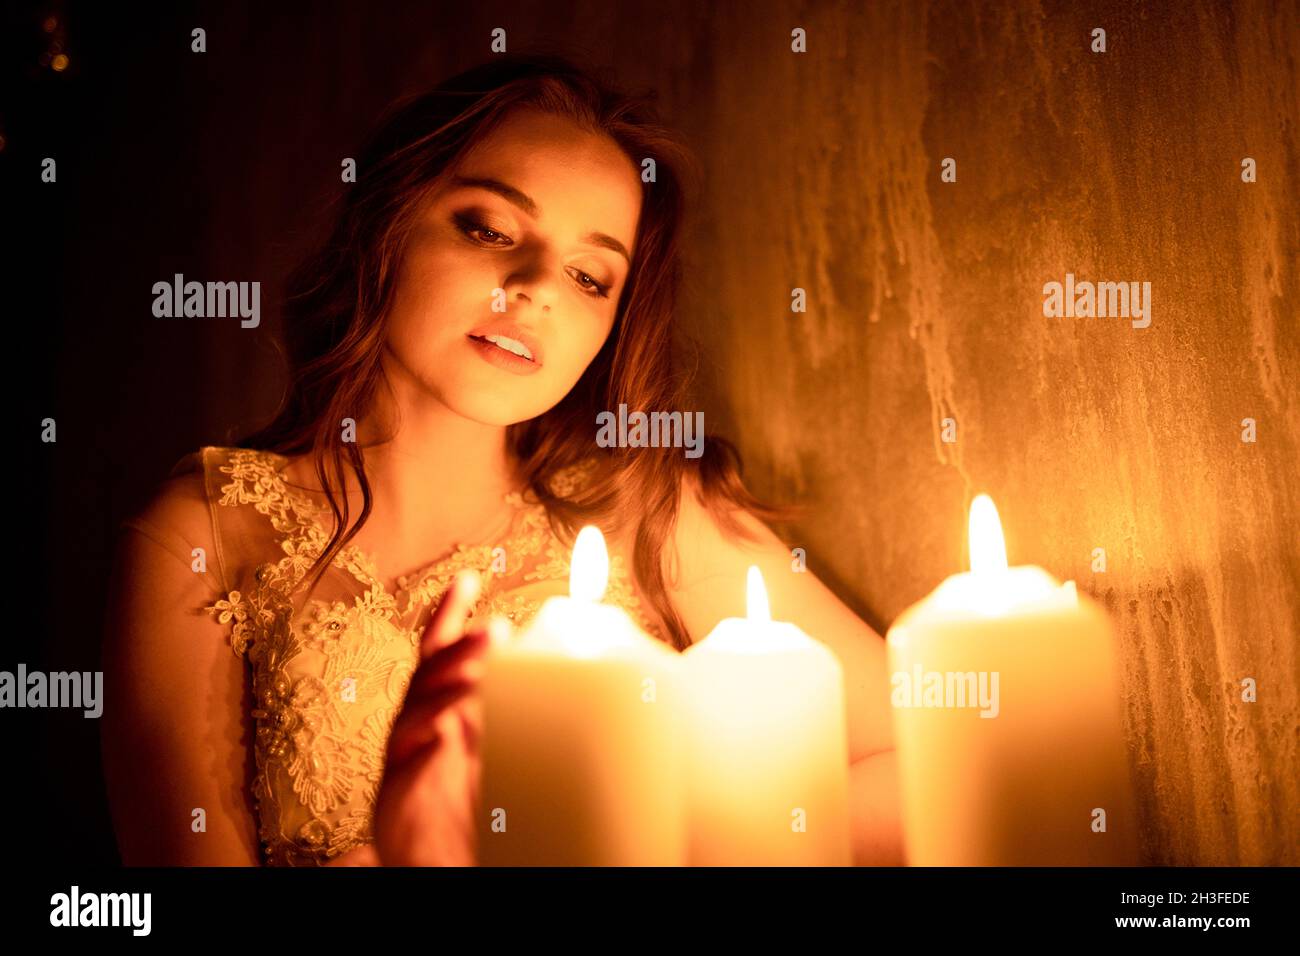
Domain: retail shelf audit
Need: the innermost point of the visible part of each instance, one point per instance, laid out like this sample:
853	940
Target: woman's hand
425	811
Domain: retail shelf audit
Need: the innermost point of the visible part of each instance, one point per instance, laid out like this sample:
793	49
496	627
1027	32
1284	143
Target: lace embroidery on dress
331	667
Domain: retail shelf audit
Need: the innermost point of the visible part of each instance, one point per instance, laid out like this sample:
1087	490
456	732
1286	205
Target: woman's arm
877	833
175	731
708	584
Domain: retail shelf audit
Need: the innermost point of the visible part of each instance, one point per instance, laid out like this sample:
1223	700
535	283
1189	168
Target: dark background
925	303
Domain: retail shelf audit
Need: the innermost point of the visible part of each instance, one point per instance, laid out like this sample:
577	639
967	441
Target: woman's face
540	218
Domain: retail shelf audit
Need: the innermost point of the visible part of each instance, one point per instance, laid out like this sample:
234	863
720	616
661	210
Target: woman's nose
534	281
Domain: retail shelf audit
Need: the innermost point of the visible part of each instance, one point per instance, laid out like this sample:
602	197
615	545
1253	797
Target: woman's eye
595	288
469	225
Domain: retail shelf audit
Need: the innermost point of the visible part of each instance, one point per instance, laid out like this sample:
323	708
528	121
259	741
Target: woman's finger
497	632
471	715
448	620
460	660
440	682
417	726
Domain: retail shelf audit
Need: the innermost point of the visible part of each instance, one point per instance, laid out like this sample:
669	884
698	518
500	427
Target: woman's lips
502	357
512	337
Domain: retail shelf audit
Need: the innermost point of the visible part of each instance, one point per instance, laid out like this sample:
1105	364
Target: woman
504	268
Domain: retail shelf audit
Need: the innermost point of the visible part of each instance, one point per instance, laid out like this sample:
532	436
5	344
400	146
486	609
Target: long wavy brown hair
339	298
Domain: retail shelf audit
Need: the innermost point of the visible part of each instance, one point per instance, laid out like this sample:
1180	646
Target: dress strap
236	535
202	462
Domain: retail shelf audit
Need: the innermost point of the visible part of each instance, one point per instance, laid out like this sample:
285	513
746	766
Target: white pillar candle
767	776
1006	719
580	757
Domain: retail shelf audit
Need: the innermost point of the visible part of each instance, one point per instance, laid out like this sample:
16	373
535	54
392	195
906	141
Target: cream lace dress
330	669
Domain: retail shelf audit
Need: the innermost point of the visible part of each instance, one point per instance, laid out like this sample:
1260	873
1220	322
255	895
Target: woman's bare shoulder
704	530
177	503
706	563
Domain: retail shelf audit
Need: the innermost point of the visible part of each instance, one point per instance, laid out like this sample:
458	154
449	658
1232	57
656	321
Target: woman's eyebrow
526	203
509	193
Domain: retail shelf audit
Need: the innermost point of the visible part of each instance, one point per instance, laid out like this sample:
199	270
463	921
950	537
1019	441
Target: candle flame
988	549
756	606
589	569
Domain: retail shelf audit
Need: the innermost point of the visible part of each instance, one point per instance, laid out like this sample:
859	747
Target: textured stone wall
925	302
